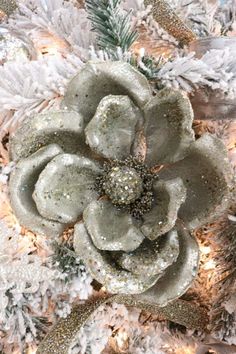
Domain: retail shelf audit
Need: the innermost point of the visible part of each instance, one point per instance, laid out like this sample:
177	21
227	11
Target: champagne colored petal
65	129
65	187
99	79
111	229
22	183
169	133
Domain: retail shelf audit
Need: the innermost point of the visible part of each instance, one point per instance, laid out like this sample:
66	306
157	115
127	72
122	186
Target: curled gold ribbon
63	335
8	6
170	21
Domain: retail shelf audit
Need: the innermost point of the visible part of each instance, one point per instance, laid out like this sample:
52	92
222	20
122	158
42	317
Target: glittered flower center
123	185
128	184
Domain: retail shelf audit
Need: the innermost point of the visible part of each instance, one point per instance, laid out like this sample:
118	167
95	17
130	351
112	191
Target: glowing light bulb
31	350
121	338
186	350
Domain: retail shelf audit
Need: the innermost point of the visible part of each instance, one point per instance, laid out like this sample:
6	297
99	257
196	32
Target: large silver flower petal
168	197
65	129
22	183
111	229
152	258
103	268
99	79
179	276
65	187
206	175
111	131
168	131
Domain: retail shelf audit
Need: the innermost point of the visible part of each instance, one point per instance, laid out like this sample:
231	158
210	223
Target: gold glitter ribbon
170	21
63	336
8	6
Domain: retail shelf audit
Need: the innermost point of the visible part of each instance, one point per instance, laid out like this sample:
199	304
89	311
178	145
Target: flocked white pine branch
57	18
216	69
30	283
226	15
33	86
198	14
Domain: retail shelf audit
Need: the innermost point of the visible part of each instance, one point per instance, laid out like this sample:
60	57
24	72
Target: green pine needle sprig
111	25
67	260
148	66
115	36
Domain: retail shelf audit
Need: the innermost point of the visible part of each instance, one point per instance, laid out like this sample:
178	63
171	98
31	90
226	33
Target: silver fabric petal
111	131
22	183
206	174
168	197
65	187
111	229
152	258
168	130
103	268
179	276
65	129
99	79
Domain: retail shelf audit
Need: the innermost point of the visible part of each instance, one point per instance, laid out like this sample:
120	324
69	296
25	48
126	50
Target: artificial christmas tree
67	94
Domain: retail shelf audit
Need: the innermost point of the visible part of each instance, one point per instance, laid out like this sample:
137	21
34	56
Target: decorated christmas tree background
117	176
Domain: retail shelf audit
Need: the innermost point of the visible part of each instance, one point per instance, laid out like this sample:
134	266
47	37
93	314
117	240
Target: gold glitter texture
65	332
7	6
62	336
170	21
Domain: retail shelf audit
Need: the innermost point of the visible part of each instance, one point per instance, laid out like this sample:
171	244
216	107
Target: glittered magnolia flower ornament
83	165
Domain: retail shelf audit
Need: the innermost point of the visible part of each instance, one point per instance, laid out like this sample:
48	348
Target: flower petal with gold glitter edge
110	228
206	174
168	197
104	270
65	187
111	131
152	257
22	182
99	79
63	128
168	130
179	276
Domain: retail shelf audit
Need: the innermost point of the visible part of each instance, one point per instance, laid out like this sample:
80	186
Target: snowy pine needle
111	25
